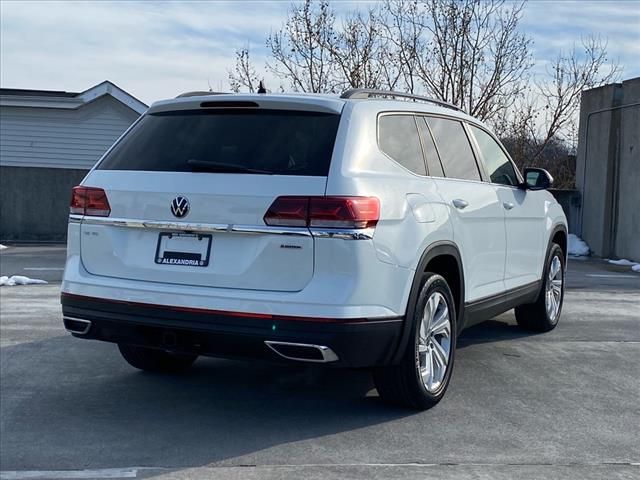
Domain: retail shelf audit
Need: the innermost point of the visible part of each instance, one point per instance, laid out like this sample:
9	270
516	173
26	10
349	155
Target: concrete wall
593	177
608	169
34	202
627	200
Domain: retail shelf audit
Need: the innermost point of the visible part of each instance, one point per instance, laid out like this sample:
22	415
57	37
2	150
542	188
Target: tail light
325	212
344	212
288	212
89	201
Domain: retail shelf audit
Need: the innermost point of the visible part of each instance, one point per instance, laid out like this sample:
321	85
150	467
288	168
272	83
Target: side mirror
537	179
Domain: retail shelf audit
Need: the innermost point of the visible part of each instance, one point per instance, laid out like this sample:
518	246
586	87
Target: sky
158	49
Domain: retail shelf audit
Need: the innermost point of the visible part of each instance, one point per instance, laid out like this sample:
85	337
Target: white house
41	128
48	141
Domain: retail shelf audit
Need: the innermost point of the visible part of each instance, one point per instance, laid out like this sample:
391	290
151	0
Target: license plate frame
181	249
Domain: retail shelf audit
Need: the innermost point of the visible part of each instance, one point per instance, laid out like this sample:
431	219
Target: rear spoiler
198	100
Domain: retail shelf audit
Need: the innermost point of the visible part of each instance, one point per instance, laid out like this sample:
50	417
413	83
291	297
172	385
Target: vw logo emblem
180	207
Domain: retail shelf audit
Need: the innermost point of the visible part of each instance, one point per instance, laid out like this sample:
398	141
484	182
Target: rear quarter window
398	138
279	142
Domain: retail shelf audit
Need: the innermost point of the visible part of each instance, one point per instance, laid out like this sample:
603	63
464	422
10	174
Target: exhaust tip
303	352
76	325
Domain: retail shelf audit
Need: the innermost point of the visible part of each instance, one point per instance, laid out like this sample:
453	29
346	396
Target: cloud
559	26
159	49
153	50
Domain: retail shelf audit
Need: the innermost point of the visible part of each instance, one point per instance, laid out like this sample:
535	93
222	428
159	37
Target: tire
404	384
152	360
543	314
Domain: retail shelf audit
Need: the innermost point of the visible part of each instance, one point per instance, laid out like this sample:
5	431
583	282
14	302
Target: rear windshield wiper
204	166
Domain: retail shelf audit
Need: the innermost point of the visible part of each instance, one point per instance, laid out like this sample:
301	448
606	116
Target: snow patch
577	246
2	247
623	262
19	280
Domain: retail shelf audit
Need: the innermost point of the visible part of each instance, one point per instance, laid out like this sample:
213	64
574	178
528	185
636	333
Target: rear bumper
356	342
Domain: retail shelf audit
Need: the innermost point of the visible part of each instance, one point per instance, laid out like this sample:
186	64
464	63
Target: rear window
237	141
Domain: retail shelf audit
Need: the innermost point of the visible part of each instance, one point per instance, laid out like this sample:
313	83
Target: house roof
16	97
36	93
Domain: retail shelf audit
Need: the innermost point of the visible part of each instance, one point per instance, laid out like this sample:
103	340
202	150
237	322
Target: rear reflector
324	212
89	201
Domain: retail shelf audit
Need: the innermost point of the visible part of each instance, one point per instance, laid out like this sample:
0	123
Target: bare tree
243	75
466	52
568	77
545	119
300	52
404	29
314	54
357	49
471	53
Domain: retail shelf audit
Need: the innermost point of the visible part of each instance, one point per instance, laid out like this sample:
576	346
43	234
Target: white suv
365	230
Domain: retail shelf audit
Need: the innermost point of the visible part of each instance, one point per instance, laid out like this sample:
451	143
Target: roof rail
199	94
356	93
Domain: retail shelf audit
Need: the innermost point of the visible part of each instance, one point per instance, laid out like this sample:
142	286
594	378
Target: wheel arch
559	235
443	258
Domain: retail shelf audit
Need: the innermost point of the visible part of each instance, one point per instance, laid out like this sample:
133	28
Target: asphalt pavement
44	262
557	405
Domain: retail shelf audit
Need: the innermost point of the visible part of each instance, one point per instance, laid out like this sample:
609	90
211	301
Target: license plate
187	249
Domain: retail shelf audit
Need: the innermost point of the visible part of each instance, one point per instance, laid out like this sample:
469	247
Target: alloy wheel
434	342
553	297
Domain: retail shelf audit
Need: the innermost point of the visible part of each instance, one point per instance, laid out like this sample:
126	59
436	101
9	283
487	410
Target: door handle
460	204
508	205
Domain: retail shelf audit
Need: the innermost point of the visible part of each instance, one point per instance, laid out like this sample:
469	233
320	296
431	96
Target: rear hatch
188	187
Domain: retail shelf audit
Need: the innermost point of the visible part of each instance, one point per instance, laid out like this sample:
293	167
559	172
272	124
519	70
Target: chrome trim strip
259	229
344	234
79	332
196	227
328	355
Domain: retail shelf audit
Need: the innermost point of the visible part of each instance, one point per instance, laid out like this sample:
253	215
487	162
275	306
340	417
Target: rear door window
455	150
496	162
228	140
398	138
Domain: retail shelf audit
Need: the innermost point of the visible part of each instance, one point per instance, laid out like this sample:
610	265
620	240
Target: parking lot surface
44	262
559	405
